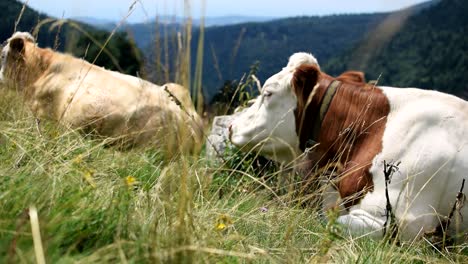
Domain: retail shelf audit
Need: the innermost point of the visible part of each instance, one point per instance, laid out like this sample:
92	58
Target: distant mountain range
97	22
144	33
208	21
423	46
428	50
230	51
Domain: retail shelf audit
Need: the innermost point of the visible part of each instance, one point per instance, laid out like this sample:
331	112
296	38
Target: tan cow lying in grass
127	110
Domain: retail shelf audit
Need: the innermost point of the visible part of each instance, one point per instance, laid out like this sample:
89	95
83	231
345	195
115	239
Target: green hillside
69	38
229	51
430	51
238	47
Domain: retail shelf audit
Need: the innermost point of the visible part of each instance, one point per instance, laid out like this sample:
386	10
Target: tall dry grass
98	204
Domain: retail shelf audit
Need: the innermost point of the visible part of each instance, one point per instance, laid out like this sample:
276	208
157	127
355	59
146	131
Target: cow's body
78	94
362	127
427	132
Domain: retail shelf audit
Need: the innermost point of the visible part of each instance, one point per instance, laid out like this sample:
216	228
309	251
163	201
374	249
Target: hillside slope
231	50
430	51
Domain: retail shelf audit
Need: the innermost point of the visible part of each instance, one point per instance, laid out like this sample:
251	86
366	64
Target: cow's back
114	105
429	115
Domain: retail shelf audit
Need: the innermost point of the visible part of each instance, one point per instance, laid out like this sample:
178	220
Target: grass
97	204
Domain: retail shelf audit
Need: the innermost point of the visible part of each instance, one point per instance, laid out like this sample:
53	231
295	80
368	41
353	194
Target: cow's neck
354	114
36	68
309	120
351	134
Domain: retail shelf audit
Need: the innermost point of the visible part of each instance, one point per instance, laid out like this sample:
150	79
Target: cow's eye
267	94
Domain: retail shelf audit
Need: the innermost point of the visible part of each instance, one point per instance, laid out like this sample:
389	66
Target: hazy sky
144	9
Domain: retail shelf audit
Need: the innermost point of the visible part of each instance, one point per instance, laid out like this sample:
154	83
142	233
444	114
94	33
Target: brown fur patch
303	83
352	76
351	132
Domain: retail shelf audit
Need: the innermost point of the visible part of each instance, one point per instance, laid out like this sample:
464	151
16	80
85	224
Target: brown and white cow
303	110
128	110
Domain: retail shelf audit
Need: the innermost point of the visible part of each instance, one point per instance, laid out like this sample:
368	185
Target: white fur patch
3	58
17	35
301	58
269	122
24	35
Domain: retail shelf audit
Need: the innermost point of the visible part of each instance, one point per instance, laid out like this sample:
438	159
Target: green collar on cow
324	105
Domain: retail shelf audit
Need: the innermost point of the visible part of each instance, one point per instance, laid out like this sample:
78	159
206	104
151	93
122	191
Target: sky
144	10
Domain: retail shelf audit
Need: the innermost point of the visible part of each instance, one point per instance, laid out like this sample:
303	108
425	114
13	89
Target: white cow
126	109
361	127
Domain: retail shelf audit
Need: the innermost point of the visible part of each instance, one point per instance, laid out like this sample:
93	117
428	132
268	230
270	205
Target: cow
352	76
125	110
418	138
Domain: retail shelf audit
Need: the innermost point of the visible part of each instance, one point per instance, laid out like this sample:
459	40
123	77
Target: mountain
230	51
421	6
11	10
77	38
105	24
208	21
423	46
233	19
427	50
144	33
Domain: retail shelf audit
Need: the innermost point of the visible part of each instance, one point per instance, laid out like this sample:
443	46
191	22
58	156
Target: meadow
97	204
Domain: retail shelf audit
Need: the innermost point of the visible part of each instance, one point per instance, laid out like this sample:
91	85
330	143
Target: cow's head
269	125
20	60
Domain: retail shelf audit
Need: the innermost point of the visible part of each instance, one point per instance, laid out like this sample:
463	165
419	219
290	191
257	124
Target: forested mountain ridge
121	54
230	51
429	51
425	46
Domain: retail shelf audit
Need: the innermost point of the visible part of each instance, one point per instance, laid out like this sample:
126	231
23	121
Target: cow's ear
305	78
352	76
17	45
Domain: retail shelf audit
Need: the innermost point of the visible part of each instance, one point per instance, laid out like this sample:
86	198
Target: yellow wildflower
223	222
88	175
78	159
130	180
220	226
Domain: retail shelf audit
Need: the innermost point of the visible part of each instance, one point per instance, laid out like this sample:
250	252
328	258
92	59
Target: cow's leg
359	222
